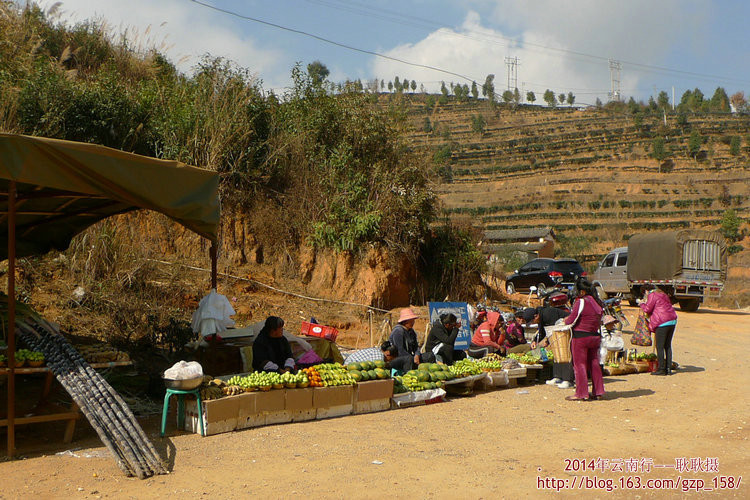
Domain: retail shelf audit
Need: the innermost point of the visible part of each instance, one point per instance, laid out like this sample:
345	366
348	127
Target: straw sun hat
406	315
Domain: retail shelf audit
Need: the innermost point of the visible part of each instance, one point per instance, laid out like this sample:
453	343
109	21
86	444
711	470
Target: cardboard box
371	406
374	389
299	399
273	400
219	415
304	415
327	397
334	411
333	401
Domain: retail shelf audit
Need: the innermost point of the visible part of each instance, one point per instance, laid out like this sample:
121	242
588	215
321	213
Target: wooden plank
34	419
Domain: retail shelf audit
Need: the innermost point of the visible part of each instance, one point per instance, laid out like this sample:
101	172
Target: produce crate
322	331
545	373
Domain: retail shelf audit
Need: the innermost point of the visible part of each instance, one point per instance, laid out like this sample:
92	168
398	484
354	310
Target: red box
322	331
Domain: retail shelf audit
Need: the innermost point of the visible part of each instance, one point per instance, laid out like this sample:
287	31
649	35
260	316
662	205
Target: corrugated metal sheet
518	234
701	255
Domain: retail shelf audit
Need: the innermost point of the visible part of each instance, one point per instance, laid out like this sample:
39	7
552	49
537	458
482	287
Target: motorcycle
613	307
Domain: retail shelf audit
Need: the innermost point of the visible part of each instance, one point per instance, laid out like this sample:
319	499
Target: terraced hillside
584	172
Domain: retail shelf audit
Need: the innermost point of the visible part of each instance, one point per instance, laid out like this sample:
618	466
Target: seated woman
490	333
271	350
404	339
515	338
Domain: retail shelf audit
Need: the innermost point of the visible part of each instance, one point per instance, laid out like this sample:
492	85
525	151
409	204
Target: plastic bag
184	370
641	333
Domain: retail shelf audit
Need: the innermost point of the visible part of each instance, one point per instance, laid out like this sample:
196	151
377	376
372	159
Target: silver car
612	273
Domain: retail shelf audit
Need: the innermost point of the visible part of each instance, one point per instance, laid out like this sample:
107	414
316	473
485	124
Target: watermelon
434	367
354	366
365	376
423	376
425	366
356	375
380	364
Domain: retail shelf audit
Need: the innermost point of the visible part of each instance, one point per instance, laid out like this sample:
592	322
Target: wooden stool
181	408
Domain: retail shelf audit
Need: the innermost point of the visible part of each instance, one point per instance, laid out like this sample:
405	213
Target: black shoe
660	373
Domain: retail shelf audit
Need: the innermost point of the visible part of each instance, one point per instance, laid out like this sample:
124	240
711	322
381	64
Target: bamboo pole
214	264
11	319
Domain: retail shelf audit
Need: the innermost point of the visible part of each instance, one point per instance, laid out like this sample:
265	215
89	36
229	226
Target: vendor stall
52	190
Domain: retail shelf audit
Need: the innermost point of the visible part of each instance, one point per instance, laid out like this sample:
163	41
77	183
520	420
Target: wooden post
214	264
11	318
369	313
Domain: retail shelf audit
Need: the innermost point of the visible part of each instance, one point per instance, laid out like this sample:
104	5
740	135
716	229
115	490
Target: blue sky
564	46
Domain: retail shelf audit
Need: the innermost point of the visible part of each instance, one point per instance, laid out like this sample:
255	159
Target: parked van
612	273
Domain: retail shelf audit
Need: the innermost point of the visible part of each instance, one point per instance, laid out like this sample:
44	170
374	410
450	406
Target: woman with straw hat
404	339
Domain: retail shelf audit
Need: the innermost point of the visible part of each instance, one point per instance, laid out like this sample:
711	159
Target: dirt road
492	445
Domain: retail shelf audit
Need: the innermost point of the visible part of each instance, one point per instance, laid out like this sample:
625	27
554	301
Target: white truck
690	264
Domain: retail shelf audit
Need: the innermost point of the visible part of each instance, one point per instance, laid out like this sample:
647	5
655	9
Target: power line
351	6
332	42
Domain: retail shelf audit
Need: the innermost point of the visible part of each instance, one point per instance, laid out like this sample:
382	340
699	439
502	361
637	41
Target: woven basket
559	341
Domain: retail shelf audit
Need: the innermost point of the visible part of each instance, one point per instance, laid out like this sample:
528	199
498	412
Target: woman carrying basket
586	319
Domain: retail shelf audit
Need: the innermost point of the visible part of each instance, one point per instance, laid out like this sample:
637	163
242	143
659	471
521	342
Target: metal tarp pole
11	318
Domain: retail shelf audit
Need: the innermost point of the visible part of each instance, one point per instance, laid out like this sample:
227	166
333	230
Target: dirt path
492	445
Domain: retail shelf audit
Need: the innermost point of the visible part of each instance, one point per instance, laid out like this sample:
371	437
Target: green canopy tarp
63	187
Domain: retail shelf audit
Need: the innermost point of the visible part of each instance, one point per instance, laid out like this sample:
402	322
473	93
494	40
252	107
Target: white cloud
183	31
633	31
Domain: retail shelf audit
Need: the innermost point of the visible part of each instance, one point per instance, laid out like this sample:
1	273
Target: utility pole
672	97
512	65
614	77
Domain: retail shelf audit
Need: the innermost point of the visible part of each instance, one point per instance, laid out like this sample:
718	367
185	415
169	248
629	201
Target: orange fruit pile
314	377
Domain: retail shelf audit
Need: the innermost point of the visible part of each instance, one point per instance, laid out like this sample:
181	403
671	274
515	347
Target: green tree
488	89
598	103
382	85
507	97
318	72
478	124
549	98
658	149
730	225
474	90
652	106
390	86
426	125
662	100
443	89
561	98
413	86
397	84
734	146
694	143
720	100
571	98
682	120
530	96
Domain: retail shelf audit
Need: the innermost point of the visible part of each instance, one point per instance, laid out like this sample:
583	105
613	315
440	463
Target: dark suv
544	273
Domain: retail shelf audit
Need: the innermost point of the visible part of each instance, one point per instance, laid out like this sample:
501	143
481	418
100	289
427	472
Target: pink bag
309	358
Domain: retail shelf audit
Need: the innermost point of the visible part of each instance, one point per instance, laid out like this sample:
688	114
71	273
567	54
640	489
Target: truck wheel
689	305
510	288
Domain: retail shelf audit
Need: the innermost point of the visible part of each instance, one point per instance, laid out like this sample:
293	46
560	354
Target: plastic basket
559	341
321	331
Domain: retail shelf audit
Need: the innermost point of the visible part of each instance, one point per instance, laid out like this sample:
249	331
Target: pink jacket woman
660	308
